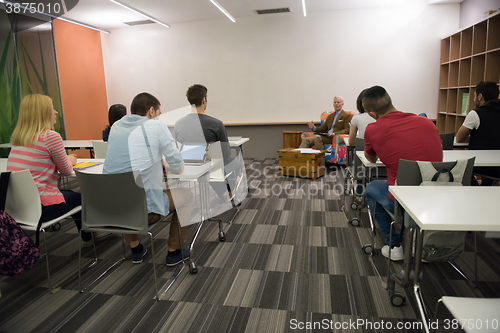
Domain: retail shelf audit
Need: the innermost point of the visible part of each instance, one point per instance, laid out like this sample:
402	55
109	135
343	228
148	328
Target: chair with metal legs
114	203
23	204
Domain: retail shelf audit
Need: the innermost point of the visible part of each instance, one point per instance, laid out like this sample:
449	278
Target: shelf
479	38
493	33
445	50
477	73
492	66
464	72
468	57
466	43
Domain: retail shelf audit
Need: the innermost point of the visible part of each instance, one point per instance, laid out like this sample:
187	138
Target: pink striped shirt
45	159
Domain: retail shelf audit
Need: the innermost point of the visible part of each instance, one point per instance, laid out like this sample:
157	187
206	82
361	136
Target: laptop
194	154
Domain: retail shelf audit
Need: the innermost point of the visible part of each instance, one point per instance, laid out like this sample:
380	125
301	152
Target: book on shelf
465	103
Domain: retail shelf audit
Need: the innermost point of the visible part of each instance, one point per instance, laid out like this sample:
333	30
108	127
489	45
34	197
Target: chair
482	312
409	174
100	148
226	181
114	203
23	204
338	147
447	139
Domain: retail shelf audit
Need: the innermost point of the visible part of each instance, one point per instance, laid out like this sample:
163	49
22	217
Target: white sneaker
396	253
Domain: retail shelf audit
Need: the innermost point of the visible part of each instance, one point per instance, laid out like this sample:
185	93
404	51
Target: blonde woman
38	148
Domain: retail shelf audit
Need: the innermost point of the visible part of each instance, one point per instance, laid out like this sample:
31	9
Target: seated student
198	127
395	135
336	123
357	129
481	127
359	121
38	148
138	142
116	112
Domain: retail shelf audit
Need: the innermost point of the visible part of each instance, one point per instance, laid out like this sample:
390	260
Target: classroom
294	252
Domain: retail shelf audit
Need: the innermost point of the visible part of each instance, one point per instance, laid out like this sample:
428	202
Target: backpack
18	252
442	245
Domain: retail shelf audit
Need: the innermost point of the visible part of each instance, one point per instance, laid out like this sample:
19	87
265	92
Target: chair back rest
409	171
447	139
359	145
23	199
323	116
215	152
100	148
113	200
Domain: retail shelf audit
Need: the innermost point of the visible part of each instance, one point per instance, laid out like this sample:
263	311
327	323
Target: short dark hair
195	94
488	89
142	103
116	112
377	99
359	102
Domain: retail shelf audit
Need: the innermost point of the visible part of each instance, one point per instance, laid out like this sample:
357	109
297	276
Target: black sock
138	249
174	253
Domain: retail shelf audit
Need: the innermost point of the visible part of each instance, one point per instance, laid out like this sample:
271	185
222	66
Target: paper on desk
307	150
85	165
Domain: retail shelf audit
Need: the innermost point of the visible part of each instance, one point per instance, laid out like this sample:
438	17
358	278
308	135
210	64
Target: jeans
73	200
379	203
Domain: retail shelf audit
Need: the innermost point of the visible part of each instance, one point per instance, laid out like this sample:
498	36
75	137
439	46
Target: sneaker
172	260
396	253
100	234
137	258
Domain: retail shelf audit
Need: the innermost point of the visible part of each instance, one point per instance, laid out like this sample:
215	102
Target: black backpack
18	252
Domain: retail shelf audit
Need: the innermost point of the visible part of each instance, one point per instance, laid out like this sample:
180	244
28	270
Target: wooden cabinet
467	57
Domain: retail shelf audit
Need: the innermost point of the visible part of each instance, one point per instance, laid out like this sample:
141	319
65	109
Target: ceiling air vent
273	10
139	22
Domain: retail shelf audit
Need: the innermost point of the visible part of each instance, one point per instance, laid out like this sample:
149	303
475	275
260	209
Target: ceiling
107	15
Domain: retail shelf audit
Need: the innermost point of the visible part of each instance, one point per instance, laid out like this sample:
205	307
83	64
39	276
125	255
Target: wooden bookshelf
468	56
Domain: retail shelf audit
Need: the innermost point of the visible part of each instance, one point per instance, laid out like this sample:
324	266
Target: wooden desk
308	165
425	205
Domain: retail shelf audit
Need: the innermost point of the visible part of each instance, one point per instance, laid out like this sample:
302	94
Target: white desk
446	208
68	144
238	143
483	157
3	164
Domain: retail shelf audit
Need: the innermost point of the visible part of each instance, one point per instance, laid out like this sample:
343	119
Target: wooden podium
307	165
292	139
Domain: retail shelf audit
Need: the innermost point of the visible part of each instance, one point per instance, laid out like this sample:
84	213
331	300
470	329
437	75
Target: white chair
114	203
100	148
23	204
229	183
474	315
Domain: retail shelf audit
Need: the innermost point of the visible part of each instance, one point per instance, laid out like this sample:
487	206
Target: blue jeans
379	203
73	199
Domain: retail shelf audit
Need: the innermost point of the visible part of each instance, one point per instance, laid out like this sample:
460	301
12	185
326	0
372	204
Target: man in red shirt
395	135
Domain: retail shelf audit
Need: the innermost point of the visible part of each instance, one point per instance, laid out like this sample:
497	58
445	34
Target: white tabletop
483	157
68	144
191	172
238	143
456	208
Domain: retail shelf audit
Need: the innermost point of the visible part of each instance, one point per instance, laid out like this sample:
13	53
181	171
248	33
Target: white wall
473	11
285	67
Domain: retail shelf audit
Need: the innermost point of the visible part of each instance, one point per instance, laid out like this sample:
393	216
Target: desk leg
416	285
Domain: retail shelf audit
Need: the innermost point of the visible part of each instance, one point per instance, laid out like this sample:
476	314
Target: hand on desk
72	159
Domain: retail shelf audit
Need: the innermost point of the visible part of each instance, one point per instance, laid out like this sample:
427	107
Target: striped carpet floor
290	263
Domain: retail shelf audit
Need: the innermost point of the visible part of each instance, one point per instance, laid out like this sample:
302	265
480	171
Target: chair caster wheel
56	226
355	222
347	192
368	248
193	269
397	300
354	206
222	236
